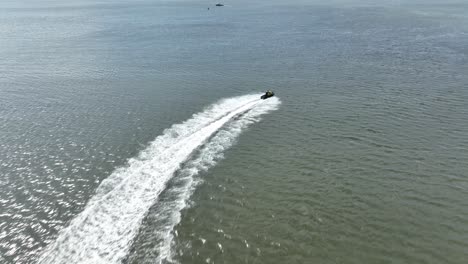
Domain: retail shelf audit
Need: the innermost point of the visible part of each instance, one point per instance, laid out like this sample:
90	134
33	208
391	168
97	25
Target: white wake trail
169	212
104	231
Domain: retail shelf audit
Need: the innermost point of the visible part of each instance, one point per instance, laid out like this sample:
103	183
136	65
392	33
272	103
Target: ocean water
133	132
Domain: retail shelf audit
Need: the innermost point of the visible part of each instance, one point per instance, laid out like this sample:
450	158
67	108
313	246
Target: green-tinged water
361	158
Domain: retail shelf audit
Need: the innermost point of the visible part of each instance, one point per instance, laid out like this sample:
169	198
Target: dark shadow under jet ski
267	94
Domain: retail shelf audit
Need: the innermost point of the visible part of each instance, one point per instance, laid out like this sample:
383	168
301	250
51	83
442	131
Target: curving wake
104	231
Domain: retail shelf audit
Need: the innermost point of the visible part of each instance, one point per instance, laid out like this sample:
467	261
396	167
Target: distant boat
219	4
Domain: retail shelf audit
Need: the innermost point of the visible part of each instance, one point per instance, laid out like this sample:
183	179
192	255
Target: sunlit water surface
362	159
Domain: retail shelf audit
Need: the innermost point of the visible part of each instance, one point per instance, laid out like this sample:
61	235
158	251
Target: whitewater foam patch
209	155
104	231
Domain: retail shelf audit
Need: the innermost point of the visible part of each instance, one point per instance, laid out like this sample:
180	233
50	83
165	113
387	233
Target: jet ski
267	94
219	4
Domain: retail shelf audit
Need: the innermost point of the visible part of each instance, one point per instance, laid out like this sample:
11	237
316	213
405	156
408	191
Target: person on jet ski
267	94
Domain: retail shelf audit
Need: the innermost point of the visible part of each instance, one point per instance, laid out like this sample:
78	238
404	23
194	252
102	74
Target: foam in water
209	154
104	231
